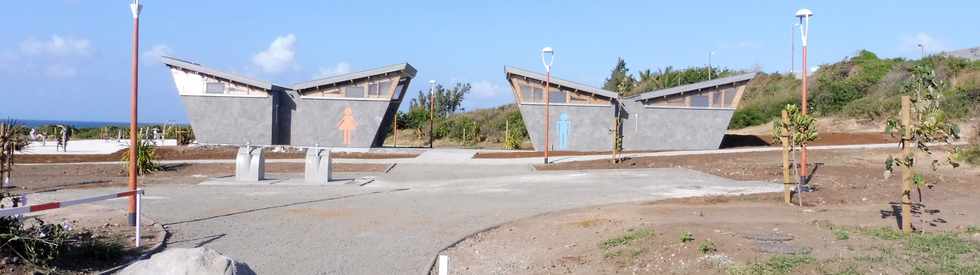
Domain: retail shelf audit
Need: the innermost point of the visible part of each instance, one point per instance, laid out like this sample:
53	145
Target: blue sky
70	59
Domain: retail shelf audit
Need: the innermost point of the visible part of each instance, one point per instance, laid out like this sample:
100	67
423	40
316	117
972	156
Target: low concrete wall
230	120
316	121
588	127
651	129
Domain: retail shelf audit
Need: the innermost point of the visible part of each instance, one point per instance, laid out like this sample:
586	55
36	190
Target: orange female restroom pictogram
347	124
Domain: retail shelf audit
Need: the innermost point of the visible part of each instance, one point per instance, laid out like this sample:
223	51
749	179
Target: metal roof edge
407	68
693	86
561	82
191	66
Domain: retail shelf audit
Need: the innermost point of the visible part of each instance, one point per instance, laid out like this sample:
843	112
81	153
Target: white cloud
60	71
57	46
485	90
338	69
152	56
279	56
910	43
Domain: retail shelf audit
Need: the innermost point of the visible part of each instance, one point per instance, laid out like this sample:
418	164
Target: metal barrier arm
5	212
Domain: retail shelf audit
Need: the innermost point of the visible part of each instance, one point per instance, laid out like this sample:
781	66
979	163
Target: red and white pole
135	7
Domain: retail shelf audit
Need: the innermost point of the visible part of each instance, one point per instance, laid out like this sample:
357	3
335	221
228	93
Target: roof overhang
694	87
403	69
195	67
559	82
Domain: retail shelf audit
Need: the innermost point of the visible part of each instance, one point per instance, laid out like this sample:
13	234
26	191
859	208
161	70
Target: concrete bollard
319	166
250	164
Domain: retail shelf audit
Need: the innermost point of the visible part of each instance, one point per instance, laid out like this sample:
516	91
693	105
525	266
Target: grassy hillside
861	87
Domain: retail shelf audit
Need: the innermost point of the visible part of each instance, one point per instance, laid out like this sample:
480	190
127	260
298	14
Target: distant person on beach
63	138
156	134
33	134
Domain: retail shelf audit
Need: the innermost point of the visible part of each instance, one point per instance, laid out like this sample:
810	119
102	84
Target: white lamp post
547	51
804	15
709	63
922	48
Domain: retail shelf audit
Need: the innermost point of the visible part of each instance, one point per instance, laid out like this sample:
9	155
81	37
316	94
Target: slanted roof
560	83
397	68
191	66
694	86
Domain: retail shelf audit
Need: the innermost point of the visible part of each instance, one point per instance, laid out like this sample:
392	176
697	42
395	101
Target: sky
70	59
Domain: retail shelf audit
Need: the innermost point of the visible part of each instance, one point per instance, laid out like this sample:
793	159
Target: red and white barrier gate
61	204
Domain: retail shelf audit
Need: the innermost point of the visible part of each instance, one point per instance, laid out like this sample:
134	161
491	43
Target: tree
620	79
447	100
923	122
801	131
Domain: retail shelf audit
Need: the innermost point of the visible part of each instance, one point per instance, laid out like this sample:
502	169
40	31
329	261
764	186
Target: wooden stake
396	128
787	190
907	169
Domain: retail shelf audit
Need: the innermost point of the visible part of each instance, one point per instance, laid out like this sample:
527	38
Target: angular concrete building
581	116
687	117
350	110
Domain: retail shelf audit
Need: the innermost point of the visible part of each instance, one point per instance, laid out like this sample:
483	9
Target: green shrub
883	233
840	234
782	264
707	247
145	158
38	244
687	237
630	236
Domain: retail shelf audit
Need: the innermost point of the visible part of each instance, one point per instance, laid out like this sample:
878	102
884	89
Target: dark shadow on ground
733	141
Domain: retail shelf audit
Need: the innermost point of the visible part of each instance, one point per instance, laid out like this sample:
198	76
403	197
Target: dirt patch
34	178
847	226
201	153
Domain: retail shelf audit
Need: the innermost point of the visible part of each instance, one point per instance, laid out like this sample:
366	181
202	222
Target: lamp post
709	63
432	107
135	8
547	97
922	48
804	15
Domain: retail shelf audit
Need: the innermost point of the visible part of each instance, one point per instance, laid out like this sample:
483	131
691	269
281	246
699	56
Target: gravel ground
397	224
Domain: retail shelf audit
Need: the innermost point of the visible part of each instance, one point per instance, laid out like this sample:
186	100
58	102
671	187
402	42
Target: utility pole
135	8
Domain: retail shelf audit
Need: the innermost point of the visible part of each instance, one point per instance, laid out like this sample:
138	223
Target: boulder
188	261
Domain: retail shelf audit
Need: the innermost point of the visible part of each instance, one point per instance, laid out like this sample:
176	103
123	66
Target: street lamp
804	15
922	48
135	8
547	51
709	63
432	107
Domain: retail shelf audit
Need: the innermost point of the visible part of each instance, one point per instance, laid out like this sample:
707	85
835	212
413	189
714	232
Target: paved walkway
464	156
397	224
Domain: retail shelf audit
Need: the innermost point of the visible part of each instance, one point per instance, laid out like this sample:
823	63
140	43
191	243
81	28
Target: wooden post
787	189
506	130
907	169
395	125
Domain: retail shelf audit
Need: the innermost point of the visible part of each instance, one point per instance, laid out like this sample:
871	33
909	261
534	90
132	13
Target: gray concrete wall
654	129
588	126
230	120
314	121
